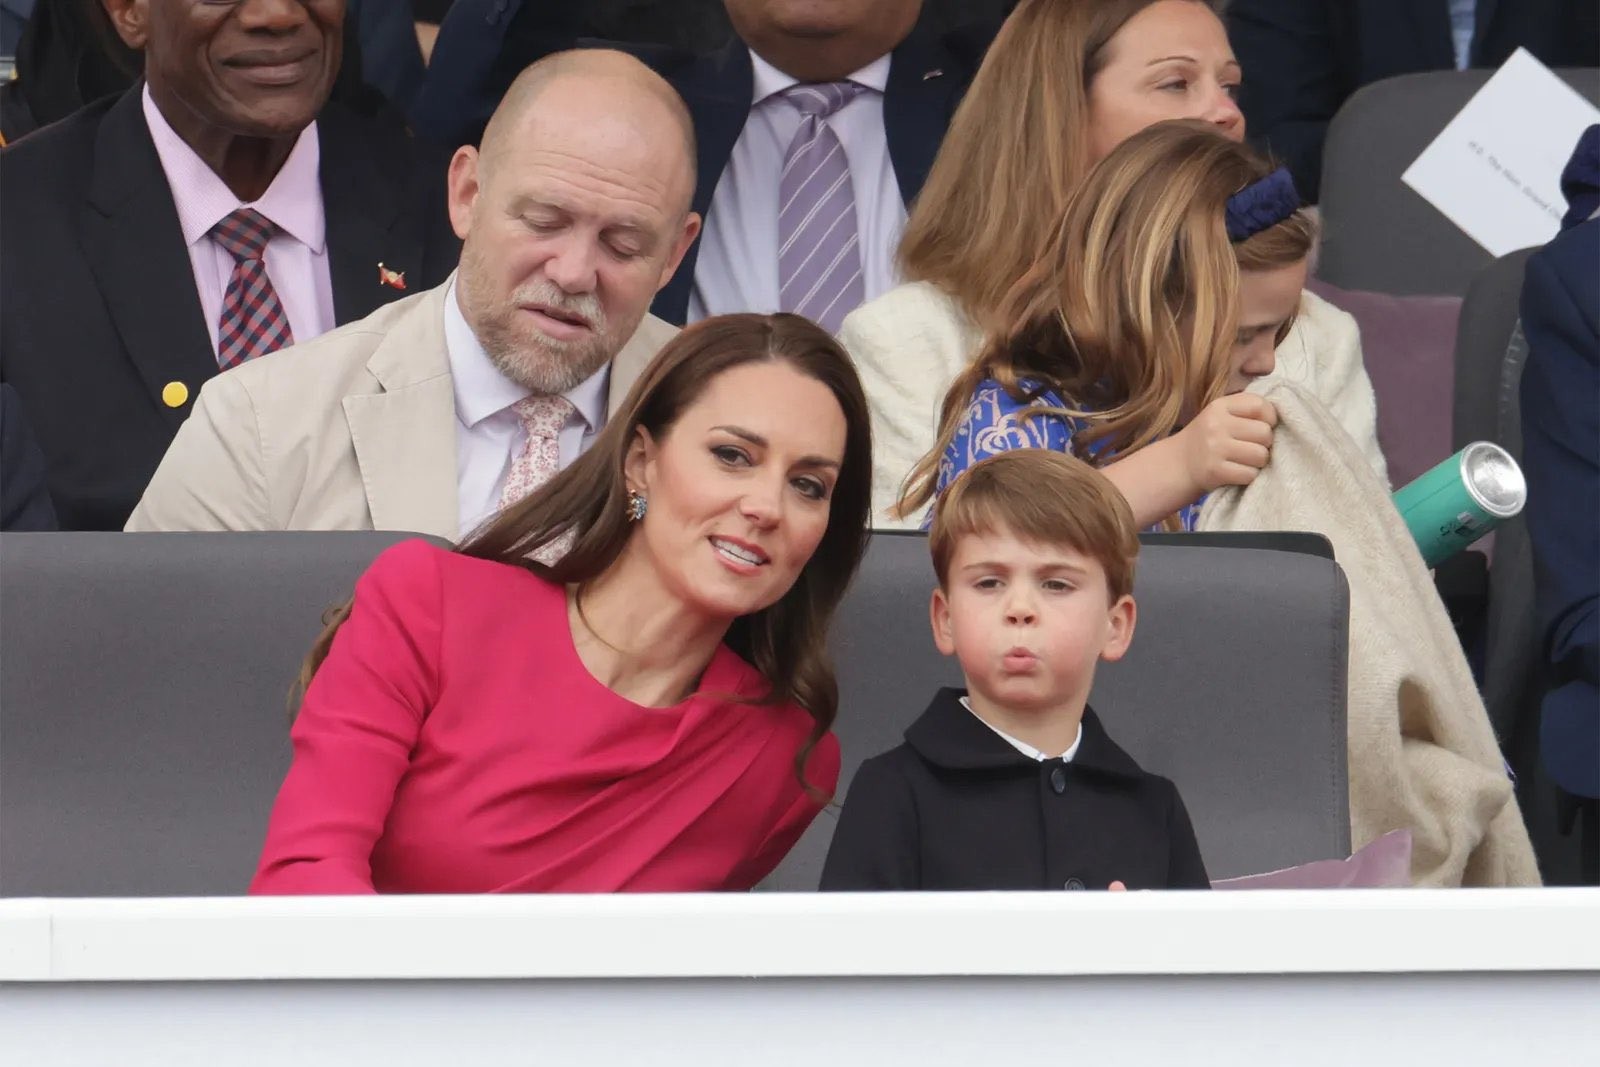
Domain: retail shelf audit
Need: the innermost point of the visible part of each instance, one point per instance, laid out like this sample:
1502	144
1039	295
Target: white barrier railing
1238	978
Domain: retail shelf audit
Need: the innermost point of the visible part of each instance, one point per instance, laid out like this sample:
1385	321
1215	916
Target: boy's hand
1228	442
1117	887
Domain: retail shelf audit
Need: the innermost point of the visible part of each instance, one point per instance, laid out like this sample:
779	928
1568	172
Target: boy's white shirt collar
1022	746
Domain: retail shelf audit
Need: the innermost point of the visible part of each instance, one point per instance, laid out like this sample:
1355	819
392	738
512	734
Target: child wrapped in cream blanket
1422	754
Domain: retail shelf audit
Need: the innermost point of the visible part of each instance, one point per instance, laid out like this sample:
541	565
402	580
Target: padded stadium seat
144	681
1408	345
144	677
1234	688
1490	352
1377	233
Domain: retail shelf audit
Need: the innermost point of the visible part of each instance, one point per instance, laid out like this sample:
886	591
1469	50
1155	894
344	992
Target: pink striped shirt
296	258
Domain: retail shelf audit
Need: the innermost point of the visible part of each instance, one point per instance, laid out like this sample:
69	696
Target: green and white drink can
1462	499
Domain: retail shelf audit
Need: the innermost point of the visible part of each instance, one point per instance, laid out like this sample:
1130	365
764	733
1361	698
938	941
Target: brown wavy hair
1042	497
787	642
1016	151
1131	314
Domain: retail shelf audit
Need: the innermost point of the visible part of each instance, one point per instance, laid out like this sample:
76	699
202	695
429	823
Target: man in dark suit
894	85
1303	58
213	213
24	501
1560	396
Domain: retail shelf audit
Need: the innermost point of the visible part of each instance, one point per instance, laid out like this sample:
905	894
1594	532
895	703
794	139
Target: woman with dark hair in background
651	710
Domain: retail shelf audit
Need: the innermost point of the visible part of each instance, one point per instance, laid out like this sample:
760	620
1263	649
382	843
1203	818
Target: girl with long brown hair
1171	280
648	711
1064	83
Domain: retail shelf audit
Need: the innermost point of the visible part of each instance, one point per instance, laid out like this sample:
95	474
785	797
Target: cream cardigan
1422	755
910	343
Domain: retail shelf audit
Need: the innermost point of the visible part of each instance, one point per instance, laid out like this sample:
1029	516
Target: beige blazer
352	431
1422	754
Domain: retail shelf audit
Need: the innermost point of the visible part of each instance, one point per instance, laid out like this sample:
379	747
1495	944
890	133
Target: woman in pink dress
651	710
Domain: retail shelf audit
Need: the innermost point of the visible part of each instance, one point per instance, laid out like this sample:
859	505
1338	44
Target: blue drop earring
637	505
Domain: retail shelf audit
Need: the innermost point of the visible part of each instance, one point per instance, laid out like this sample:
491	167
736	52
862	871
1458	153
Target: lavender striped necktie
819	250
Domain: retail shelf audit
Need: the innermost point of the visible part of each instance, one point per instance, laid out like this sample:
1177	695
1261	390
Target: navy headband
1261	205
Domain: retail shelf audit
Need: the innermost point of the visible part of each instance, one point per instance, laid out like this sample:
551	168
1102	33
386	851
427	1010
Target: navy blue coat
1561	457
24	501
957	807
484	43
1303	58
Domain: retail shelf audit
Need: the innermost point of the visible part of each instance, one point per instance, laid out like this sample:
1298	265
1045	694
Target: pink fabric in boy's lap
1383	864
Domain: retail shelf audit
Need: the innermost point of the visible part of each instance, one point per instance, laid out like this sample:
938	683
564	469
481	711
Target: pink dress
453	742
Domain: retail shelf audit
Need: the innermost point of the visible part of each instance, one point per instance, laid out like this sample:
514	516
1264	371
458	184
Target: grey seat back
1234	688
1377	232
1490	353
144	681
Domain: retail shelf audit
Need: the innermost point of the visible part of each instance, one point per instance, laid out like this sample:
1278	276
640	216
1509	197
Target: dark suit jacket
98	307
391	58
1303	58
24	501
484	43
1561	458
956	807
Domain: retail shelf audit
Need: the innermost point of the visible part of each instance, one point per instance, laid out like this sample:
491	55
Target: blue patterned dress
994	423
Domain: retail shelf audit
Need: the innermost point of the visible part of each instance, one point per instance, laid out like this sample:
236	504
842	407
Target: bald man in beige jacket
573	214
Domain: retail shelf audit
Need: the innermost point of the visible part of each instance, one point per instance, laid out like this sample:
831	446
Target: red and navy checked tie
253	320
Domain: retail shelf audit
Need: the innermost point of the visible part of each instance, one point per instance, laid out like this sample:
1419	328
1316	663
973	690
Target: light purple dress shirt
296	258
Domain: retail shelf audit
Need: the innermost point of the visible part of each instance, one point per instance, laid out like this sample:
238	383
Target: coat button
1058	782
174	394
1072	883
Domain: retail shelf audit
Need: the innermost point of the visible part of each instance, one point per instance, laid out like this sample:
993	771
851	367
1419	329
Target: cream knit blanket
1422	754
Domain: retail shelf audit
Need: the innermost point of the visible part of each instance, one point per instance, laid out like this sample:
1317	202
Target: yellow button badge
174	394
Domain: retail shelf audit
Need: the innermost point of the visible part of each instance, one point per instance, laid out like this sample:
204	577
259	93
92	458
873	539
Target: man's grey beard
534	361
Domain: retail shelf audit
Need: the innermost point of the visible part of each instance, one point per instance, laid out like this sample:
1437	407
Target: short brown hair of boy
1044	497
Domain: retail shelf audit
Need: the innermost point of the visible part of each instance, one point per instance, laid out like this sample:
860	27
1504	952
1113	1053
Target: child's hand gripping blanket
1422	754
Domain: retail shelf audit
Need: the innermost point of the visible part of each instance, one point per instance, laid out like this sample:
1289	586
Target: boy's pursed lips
1018	658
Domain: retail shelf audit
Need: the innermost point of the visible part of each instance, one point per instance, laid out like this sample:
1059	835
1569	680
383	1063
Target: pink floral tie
540	456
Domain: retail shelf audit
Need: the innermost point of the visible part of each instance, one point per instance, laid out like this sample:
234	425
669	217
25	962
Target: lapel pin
394	279
932	74
174	394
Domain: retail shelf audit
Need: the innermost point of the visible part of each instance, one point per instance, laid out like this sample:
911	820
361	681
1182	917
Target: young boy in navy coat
1014	783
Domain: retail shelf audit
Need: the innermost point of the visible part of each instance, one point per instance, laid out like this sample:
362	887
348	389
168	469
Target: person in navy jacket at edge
1014	782
1560	398
906	81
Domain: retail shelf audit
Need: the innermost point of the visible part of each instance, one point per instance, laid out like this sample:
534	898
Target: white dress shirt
488	432
296	259
1463	24
1022	746
738	265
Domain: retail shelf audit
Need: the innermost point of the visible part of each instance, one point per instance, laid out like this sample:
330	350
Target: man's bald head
602	82
573	214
